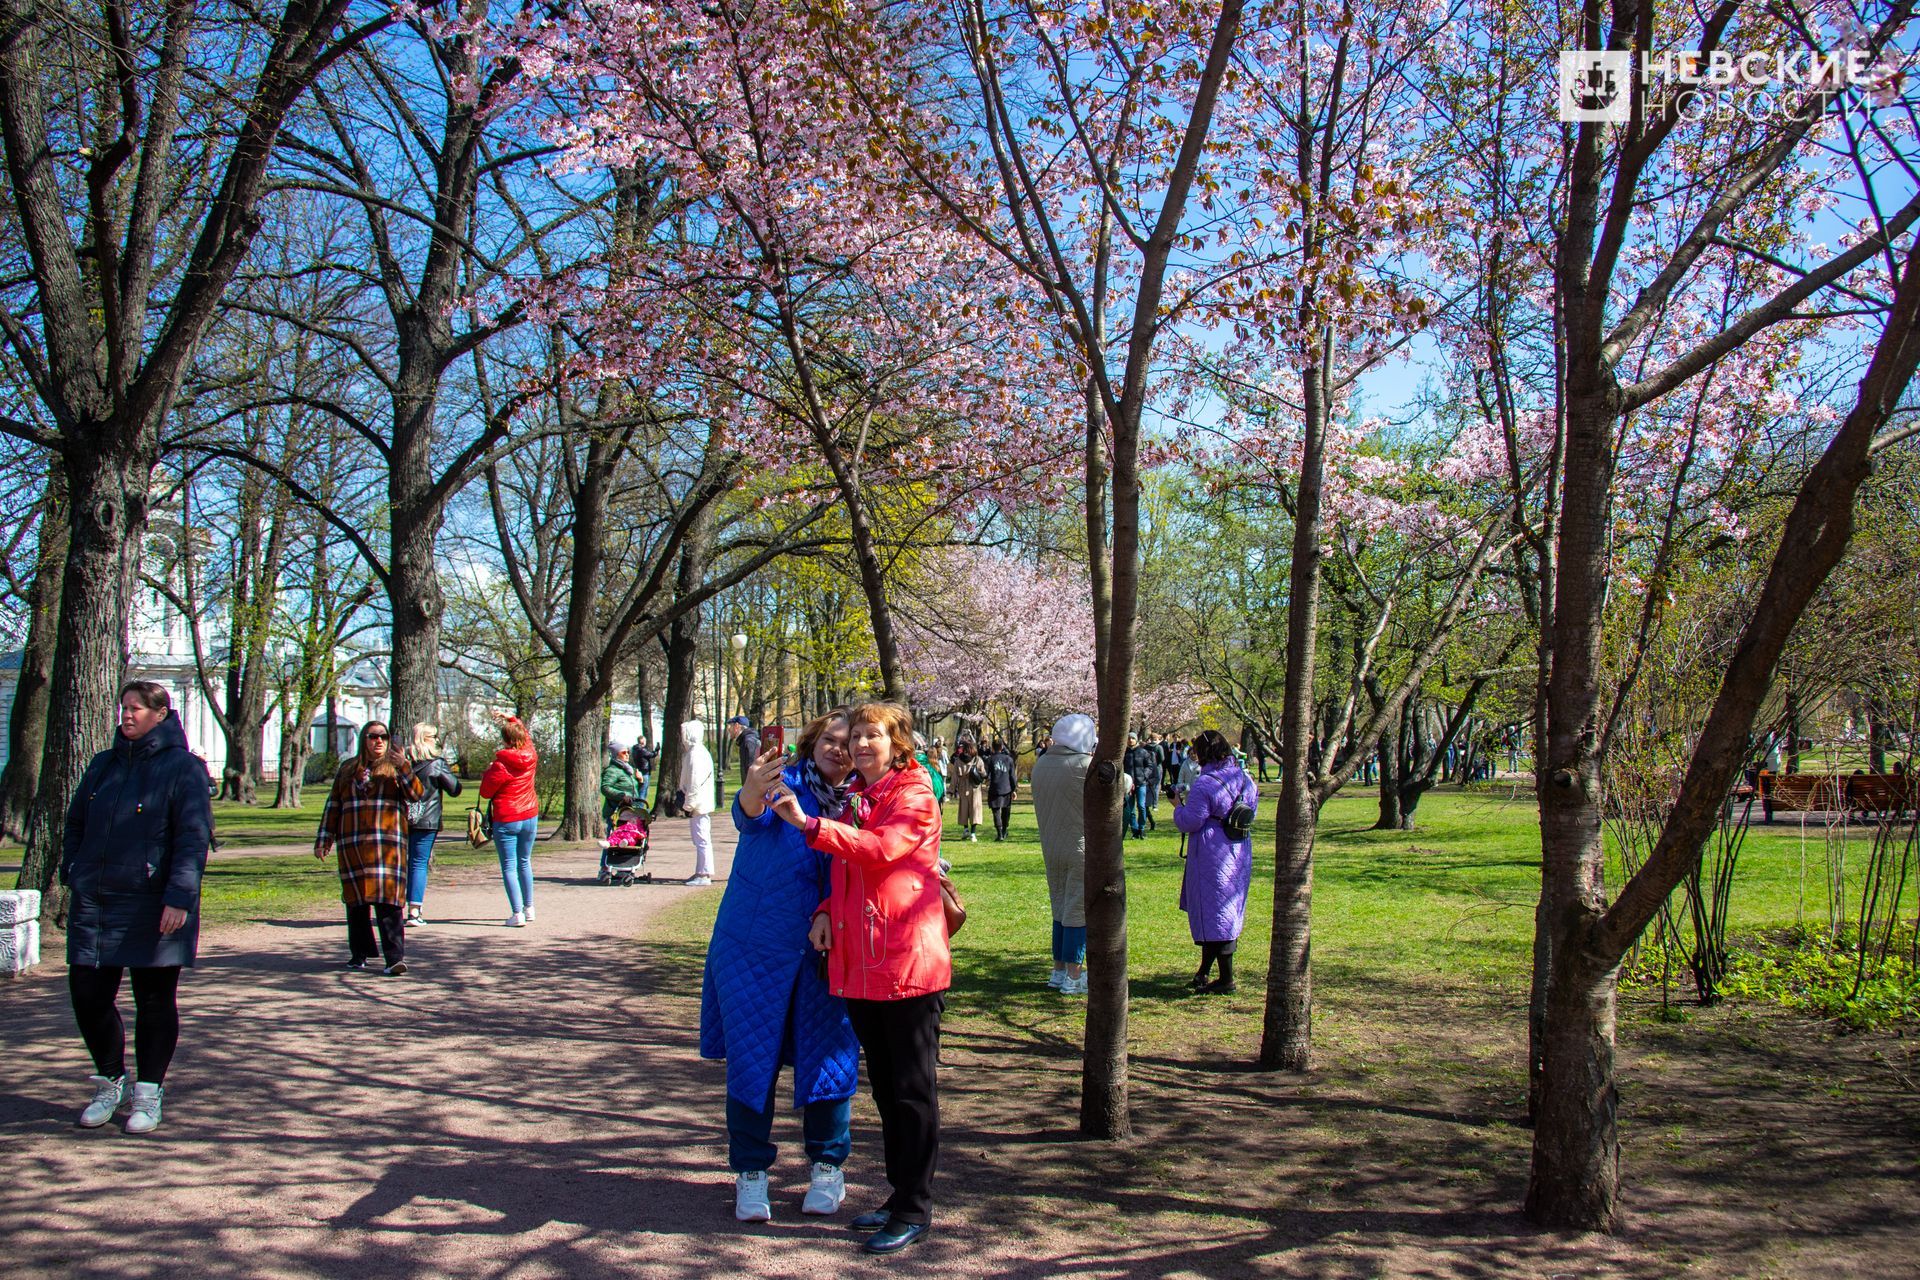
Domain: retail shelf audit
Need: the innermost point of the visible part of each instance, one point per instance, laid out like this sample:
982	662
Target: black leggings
1222	952
156	1018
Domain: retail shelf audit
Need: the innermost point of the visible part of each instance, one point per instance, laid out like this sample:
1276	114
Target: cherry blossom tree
795	288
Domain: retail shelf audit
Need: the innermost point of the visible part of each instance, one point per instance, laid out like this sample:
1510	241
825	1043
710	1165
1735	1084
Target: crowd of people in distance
830	943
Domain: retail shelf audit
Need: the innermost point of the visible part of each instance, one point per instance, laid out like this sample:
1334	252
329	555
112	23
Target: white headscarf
1076	733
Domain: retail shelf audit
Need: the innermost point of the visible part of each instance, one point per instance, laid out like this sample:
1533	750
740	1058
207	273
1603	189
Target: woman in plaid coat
365	825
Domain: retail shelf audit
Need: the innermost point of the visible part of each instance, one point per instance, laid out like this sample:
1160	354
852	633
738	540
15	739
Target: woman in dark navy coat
136	844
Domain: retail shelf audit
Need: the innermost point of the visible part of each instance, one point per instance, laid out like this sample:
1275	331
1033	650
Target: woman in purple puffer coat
1213	892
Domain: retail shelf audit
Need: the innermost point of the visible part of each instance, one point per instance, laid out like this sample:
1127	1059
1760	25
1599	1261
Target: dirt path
529	1104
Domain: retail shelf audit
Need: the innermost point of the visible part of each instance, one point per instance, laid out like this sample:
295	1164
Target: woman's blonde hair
421	748
895	719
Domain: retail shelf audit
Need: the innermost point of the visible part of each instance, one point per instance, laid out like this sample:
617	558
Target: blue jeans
514	841
1137	811
1069	944
825	1126
419	858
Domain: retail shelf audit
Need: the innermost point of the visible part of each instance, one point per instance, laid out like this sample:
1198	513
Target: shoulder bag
479	826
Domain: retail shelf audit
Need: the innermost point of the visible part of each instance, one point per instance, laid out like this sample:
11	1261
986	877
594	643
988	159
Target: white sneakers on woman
516	921
146	1108
529	913
750	1202
108	1094
825	1190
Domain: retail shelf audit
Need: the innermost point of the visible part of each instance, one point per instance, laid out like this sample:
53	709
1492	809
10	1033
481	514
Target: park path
524	1103
530	1104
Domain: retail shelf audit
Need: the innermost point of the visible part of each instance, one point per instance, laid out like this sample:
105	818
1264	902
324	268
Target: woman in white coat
696	788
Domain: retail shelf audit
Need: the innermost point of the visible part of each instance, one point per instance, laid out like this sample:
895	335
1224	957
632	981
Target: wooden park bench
1827	793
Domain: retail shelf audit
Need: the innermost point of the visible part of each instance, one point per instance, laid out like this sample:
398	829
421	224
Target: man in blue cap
741	730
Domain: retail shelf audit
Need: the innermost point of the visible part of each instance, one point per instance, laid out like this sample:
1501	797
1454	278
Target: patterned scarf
831	799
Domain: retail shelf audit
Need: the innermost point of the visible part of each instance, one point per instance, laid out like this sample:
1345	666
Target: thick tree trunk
107	522
682	646
413	592
585	652
1287	1026
1575	1178
1389	757
27	724
584	753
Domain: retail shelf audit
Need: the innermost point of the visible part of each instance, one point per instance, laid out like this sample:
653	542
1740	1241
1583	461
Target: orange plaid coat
368	831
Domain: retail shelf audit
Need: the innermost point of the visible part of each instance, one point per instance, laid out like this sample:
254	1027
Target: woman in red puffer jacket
884	933
508	782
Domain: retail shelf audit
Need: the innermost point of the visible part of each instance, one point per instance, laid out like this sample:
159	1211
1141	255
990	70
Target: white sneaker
1074	986
750	1198
826	1190
416	920
528	913
516	921
107	1097
146	1108
972	838
1058	979
700	882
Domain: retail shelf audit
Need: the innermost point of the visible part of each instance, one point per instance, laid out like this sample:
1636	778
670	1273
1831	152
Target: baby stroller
623	853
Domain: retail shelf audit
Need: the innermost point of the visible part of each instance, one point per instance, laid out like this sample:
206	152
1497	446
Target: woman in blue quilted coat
764	1001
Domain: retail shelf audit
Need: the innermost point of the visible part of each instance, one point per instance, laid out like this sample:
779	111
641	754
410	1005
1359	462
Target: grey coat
1059	807
136	841
424	814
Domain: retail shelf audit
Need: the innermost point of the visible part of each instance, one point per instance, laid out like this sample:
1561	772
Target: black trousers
1002	813
901	1039
156	1018
393	931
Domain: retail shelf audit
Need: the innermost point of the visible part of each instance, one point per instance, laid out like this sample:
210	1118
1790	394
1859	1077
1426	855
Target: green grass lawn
1445	907
1449	903
285	887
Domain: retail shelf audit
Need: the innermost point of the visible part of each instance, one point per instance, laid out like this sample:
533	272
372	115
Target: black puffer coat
424	814
136	841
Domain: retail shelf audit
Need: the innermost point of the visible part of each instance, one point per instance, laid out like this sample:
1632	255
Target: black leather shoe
1219	988
895	1236
872	1221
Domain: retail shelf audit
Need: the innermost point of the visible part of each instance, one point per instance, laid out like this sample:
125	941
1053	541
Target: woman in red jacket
884	933
508	782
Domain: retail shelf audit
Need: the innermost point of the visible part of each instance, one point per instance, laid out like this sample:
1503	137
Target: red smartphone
774	736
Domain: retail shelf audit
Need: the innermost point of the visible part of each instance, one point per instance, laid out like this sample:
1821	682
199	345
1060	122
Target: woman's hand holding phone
787	805
763	776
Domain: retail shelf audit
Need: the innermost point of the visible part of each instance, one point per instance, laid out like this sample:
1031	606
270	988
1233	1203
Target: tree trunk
1105	1111
1287	1026
1576	1121
107	524
585	651
1575	1179
27	725
682	644
1389	756
413	591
